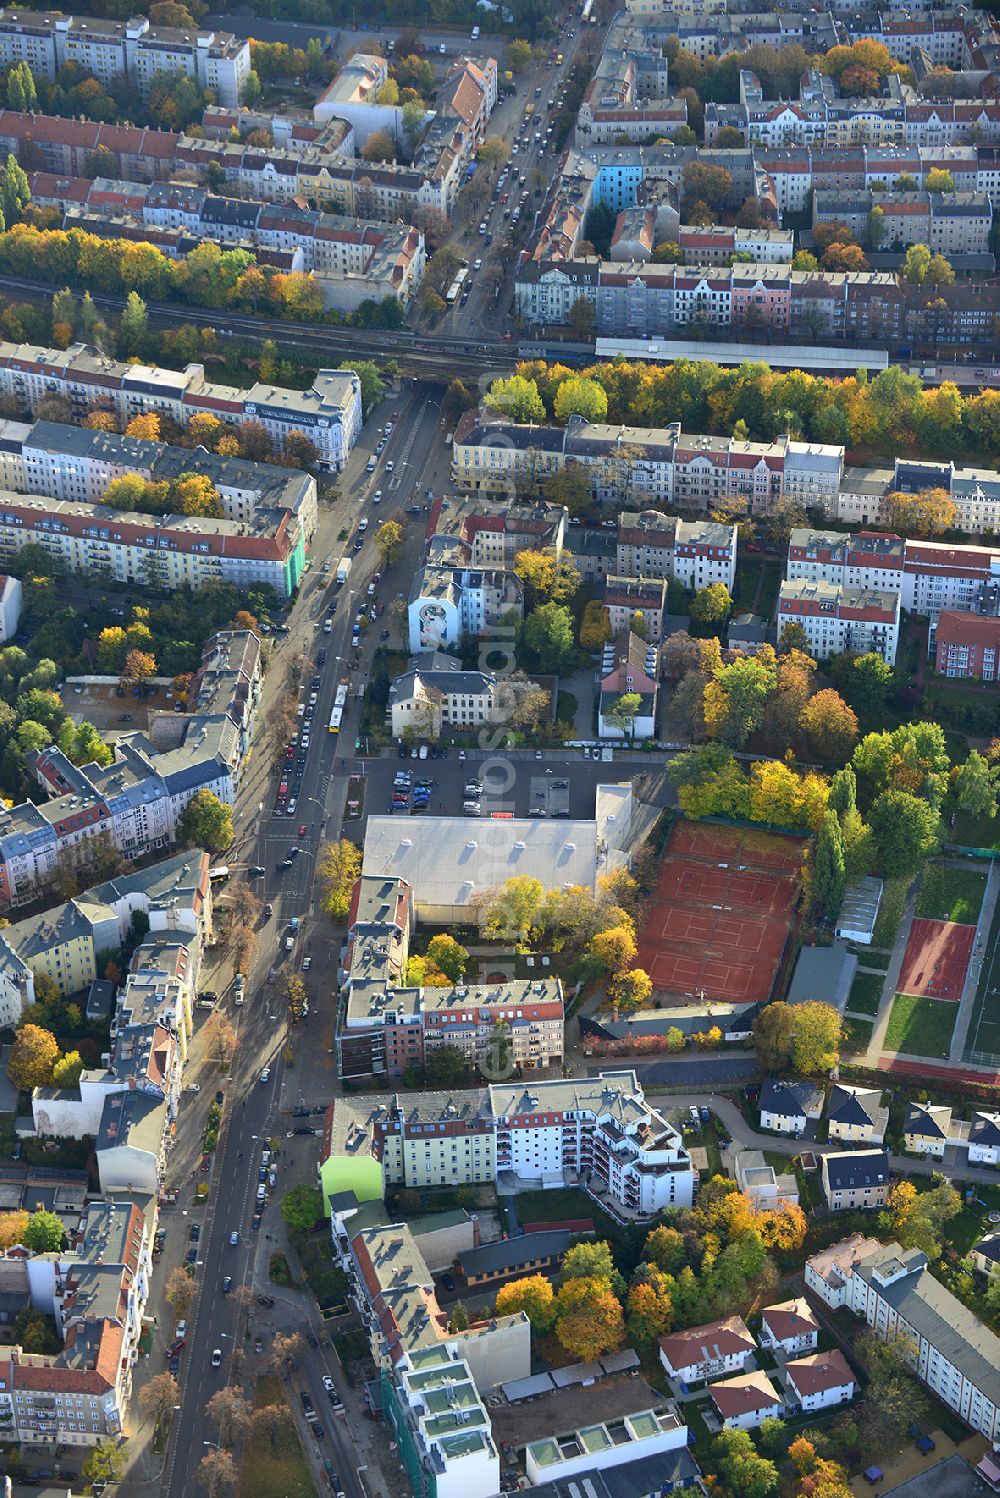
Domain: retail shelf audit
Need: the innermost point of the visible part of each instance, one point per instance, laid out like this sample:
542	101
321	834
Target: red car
283	788
302	829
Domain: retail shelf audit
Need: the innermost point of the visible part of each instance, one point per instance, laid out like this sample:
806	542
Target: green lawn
867	957
745	586
858	1036
325	1280
891	910
919	1026
565	1205
865	994
950	894
279	1471
974	832
965	1229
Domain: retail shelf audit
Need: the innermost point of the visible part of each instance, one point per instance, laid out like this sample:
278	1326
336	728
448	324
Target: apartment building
695	552
949	223
951	1351
930	576
449	601
966	645
648	466
218	61
644	300
329	412
707	1352
828	1273
628	669
628	99
439	694
837	618
650	1434
96	1291
11	598
493	533
75	464
386	1026
598	1130
164	552
856	1180
713	244
131	805
636	604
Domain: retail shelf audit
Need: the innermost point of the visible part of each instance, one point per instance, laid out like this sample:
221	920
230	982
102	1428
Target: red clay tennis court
936	959
720	914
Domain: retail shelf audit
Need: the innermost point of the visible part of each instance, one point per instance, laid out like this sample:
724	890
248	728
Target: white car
362	525
217	1357
390	465
377	497
307	963
265	1075
477	264
234	1238
193	1087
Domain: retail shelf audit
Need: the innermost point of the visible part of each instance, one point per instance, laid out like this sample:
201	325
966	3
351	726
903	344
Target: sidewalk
984	925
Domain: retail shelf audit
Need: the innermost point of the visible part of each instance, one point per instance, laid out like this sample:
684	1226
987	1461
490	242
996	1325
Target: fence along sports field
721	911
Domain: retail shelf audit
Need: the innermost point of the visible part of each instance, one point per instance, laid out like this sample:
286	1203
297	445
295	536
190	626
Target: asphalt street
255	1110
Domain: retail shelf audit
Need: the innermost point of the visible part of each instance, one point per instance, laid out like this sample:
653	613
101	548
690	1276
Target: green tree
744	1470
939	180
15	194
815	1038
511	911
133	324
665	1248
44	1233
589	1261
804	260
302	1208
623	713
66	1071
649	1307
516	398
445	1066
104	1463
870	678
711	604
252	90
206	822
389	541
578	396
905	831
519	55
830	726
22	94
547	636
448	955
829	877
339	870
976	784
774	1036
534	1296
843	793
589	1318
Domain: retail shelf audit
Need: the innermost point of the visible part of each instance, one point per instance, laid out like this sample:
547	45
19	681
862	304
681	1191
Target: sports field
721	912
936	959
983	1038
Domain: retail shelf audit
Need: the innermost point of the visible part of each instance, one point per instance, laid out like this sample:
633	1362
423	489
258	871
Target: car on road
307	963
257	870
258	1345
192	1255
285	863
329	1384
304	1129
377	497
174	1365
193	1087
268	908
195	1232
227	1283
309	1409
217	1357
234	1238
265	1075
265	1300
302	829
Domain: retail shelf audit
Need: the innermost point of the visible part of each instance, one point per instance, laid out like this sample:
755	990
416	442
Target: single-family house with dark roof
926	1127
984	1139
856	1114
855	1179
786	1106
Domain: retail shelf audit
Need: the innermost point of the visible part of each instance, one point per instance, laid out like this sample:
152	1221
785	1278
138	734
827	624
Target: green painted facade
421	1481
363	1176
295	565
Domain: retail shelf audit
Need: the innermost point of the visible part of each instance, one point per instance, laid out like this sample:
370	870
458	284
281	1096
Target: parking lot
515	787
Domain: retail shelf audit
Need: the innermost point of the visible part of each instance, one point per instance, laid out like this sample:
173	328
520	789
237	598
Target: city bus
219	874
339	703
455	289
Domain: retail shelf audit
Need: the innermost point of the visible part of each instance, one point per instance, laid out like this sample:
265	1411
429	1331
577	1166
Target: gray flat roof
825	974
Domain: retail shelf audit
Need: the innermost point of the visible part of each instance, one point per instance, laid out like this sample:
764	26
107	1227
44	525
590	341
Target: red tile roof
700	1344
819	1371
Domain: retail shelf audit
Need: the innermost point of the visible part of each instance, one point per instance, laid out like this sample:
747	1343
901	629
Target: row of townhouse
647	464
76	465
860	1115
819	117
725	1356
599	1130
643	543
635	300
165	552
328	413
781	178
351	262
928	575
132	49
949	223
837	618
95	1289
975	492
133	804
385	1026
893	1290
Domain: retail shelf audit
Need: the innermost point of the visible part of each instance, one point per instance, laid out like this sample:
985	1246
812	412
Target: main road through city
264	839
